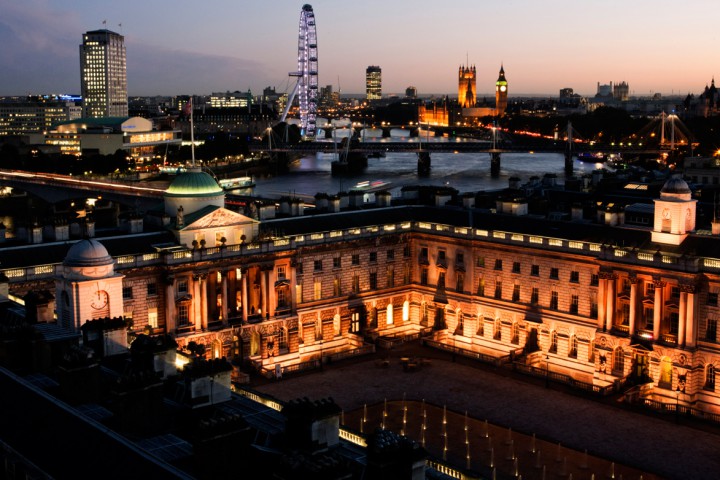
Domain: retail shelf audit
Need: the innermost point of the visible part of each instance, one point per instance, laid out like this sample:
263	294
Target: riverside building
611	306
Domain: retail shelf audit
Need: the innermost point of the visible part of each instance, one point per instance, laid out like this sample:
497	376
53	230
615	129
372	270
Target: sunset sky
183	46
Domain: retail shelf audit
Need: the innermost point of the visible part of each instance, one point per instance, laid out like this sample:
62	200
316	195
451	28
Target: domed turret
193	190
676	185
87	253
88	259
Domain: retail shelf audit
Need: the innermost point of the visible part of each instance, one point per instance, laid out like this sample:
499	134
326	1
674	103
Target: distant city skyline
181	48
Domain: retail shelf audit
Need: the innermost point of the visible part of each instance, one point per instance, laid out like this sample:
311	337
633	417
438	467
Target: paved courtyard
653	445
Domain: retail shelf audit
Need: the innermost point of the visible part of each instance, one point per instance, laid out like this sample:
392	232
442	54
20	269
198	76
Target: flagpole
192	132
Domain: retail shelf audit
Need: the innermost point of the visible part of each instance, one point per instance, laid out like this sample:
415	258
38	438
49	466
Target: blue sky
182	46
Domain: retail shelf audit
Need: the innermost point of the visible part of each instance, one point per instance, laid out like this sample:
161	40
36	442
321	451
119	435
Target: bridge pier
423	163
494	164
568	163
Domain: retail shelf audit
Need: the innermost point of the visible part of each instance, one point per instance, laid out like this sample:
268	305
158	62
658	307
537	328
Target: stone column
170	314
203	301
272	300
196	302
610	308
263	291
224	296
633	304
293	287
244	294
658	308
601	301
682	317
690	320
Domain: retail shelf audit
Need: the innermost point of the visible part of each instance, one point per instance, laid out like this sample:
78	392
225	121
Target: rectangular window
337	291
481	287
553	300
593	308
554	273
424	276
498	264
711	332
675	292
373	257
299	268
480	261
498	289
127	293
594	280
650	289
356	284
535	295
390	277
712	298
153	317
406	275
281	272
516	293
574	302
318	265
406	251
460	258
151	289
516	267
391	254
355	259
441	280
373	280
317	290
337	262
282	301
459	282
574	277
535	270
441	255
183	318
298	293
424	254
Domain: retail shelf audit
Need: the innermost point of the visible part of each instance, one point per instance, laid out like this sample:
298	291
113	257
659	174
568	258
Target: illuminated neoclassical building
600	302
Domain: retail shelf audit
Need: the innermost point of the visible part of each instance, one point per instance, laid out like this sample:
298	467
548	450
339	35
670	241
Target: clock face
503	88
666	214
99	299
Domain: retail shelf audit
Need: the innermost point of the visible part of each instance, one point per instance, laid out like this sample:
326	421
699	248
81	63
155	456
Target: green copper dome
194	183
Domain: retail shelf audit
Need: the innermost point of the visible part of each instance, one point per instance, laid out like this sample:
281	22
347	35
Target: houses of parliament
602	301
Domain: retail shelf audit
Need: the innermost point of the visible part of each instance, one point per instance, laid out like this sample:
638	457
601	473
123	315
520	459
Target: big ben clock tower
501	93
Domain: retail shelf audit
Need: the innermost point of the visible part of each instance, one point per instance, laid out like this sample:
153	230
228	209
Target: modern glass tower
103	74
373	83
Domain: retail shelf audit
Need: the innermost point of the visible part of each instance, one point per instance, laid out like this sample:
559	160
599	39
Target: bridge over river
460	145
55	188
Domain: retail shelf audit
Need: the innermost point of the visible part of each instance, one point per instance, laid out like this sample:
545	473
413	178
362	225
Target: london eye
306	87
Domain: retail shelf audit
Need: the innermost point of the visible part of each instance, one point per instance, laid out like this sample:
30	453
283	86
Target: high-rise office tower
373	83
103	74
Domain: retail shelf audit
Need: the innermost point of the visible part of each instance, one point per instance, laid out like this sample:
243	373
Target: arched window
665	373
336	324
497	334
553	342
254	343
572	353
710	377
618	361
283	340
390	320
216	349
481	326
515	334
406	311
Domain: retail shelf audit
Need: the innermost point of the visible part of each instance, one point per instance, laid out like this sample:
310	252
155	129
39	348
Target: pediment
221	217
